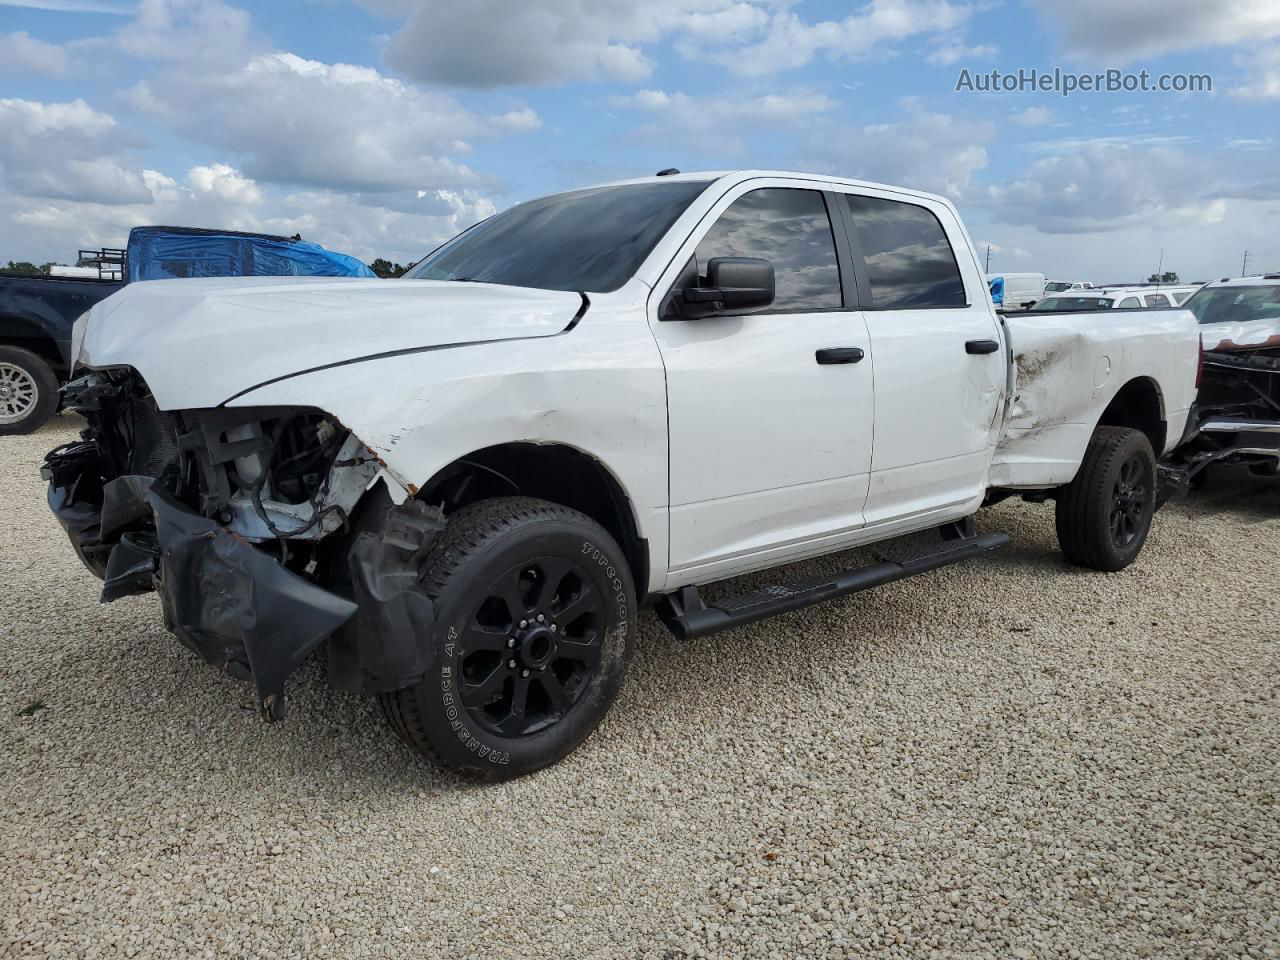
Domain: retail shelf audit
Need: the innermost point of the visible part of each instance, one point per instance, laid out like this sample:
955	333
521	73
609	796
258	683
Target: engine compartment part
240	520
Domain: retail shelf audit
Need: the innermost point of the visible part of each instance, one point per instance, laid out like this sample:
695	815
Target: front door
770	437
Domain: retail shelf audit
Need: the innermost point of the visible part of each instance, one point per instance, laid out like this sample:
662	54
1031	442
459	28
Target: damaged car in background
464	483
1237	414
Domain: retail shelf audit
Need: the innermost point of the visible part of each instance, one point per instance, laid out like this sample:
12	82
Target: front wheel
534	626
28	391
1104	514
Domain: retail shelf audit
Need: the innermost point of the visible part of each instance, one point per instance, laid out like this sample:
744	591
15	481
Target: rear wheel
535	615
1104	514
28	391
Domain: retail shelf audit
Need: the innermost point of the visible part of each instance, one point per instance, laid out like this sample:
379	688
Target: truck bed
1067	367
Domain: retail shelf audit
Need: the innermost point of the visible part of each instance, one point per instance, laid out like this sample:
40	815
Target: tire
466	714
1104	514
28	391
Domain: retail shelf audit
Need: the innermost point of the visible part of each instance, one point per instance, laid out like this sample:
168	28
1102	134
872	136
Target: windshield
1235	304
1056	286
588	240
1074	303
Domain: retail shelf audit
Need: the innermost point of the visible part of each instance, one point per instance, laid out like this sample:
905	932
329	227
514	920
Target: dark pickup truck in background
38	313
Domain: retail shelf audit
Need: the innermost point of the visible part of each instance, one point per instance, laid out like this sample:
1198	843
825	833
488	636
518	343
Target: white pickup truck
467	481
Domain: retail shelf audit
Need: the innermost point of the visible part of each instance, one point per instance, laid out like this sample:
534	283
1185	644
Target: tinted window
1129	303
1235	304
789	228
1156	300
1073	303
591	240
910	262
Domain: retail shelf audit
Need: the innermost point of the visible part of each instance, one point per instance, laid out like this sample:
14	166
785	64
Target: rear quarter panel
1068	367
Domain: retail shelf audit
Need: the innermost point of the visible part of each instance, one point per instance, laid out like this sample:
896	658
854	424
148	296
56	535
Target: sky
382	127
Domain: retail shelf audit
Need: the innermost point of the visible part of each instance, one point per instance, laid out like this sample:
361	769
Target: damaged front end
1237	414
265	531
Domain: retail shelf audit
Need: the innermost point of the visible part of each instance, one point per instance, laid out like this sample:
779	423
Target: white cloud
22	53
225	182
1104	186
487	43
718	124
1032	117
337	126
118	7
66	150
494	42
790	42
949	53
1124	31
188	31
1262	80
925	150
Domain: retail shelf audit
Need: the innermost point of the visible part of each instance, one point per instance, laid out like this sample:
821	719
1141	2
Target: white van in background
1015	291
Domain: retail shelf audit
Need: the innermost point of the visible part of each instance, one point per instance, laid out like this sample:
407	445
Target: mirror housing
734	285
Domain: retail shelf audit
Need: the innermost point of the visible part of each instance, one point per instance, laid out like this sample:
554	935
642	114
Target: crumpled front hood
199	342
1261	334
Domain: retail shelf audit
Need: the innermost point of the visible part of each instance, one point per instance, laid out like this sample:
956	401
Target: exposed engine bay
251	524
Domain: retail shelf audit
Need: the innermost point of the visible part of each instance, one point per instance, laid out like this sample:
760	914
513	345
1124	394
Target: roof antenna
668	172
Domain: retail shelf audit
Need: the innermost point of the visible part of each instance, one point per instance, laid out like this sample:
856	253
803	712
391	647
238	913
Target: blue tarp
164	253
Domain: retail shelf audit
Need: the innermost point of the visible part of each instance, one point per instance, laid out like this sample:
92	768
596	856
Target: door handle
981	346
839	355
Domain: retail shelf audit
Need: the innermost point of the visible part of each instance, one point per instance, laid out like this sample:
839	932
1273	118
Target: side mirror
734	284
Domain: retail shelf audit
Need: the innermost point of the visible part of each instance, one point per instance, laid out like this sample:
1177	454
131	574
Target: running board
688	617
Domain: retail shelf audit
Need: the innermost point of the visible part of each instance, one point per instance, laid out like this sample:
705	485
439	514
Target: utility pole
988	267
1244	264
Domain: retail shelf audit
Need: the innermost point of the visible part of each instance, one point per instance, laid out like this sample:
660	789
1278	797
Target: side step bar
688	617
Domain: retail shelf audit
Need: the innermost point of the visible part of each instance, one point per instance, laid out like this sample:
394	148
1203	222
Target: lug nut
554	628
511	663
524	673
511	642
541	618
523	624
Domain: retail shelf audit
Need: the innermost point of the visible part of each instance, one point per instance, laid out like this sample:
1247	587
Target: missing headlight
279	473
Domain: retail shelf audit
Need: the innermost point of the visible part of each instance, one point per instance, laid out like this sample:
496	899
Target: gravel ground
1007	759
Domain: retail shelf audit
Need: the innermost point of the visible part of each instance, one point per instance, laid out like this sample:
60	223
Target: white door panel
767	445
735	526
935	406
938	352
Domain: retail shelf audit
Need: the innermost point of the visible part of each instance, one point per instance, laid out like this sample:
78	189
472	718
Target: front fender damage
253	608
383	647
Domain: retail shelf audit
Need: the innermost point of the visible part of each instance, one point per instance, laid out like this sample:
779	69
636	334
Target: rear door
938	354
770	441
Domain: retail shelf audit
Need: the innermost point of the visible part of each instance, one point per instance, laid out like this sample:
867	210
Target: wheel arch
1139	405
29	334
558	472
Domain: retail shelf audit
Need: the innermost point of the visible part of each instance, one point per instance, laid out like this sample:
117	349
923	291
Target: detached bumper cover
235	606
223	598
